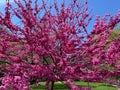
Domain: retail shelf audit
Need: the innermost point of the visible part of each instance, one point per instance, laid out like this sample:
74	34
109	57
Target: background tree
55	46
115	34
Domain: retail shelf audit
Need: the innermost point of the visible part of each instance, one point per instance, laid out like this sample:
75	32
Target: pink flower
2	87
95	61
2	55
36	61
17	78
15	59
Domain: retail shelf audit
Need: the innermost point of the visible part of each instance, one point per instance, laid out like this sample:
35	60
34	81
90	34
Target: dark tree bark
52	85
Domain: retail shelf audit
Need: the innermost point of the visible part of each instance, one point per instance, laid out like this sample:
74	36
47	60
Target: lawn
60	86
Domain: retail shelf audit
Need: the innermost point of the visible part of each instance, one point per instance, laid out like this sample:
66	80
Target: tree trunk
88	84
52	85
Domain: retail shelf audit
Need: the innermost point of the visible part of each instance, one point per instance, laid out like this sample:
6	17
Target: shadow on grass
58	86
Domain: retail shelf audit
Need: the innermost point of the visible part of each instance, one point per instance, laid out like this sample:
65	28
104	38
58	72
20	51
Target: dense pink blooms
53	44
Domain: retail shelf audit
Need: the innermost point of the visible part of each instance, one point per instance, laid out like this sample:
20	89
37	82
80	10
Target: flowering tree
55	46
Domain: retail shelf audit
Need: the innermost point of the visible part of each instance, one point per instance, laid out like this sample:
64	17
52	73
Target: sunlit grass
61	86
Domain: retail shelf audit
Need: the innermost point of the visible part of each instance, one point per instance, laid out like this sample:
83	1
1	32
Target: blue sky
100	7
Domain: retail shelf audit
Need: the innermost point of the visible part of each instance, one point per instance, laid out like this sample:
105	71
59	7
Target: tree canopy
56	46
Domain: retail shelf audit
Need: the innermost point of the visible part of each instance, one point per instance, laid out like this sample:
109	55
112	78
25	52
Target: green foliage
114	34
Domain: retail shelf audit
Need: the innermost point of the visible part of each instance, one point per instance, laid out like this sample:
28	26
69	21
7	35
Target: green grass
97	86
61	86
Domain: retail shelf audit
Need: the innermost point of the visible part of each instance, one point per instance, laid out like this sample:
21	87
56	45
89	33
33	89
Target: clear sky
99	7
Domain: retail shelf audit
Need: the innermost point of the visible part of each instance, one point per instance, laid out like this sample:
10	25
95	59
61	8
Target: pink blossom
95	61
2	55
